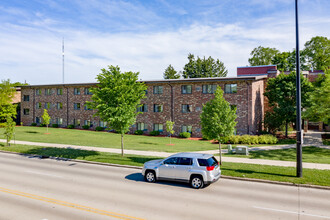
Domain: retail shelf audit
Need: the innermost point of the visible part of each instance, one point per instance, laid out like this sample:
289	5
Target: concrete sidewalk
165	154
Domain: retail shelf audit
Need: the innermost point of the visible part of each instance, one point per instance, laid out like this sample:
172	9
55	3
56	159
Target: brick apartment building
179	100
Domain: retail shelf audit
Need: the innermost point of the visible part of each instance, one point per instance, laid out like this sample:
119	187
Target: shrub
267	139
55	125
42	125
234	139
33	124
185	135
154	133
70	126
138	132
86	127
98	128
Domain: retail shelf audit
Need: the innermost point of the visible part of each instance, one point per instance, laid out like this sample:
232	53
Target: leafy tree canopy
7	92
202	68
171	73
116	98
317	52
262	56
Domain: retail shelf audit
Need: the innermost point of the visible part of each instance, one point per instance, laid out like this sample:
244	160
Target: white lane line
291	212
43	174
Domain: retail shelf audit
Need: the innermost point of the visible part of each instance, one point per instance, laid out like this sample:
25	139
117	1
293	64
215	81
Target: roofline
212	79
254	66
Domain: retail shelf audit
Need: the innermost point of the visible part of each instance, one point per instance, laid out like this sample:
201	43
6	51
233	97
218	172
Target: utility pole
298	101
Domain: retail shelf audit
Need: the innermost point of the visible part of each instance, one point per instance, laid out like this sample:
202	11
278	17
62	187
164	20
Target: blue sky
144	36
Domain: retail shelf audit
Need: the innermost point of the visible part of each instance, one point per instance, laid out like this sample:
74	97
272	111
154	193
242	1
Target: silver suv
196	169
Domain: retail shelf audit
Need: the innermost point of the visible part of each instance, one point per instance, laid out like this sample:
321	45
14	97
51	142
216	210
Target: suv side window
172	161
202	162
185	161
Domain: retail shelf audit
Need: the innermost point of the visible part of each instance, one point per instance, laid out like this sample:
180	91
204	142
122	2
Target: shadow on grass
243	171
149	143
137	177
61	152
142	160
31	132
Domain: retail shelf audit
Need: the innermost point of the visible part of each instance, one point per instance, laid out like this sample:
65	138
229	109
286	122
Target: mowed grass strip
109	140
309	154
274	173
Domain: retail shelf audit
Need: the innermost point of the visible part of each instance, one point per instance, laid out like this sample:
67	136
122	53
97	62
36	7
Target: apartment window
38	105
76	122
158	89
186	108
142	108
38	91
38	120
186	89
209	89
141	126
186	128
158	108
87	122
87	108
103	124
59	105
76	106
76	91
87	92
59	91
158	127
198	109
48	91
26	111
47	105
26	98
59	121
230	88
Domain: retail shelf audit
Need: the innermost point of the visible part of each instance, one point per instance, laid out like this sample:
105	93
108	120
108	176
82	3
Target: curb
140	168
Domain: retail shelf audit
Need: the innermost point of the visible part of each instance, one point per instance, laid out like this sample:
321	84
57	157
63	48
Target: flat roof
211	79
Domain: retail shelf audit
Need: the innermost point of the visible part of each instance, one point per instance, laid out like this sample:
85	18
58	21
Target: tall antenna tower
63	60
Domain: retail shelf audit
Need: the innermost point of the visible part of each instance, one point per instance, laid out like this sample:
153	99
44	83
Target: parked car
194	168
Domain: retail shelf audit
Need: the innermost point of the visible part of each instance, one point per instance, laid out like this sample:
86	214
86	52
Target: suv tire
196	182
150	176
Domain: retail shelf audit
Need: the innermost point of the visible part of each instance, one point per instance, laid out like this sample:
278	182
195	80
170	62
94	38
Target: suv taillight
210	168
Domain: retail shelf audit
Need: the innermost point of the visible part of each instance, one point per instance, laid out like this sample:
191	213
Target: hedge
185	135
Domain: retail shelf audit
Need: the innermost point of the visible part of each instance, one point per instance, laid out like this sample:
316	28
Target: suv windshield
207	162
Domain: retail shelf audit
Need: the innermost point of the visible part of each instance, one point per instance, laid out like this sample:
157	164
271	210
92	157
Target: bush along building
179	100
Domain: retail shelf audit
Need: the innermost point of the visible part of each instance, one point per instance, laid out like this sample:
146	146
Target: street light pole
298	101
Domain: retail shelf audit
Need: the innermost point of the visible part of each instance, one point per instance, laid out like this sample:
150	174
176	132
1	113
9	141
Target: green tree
46	118
317	52
116	98
7	109
281	94
218	119
262	56
203	68
284	61
169	128
9	128
320	101
171	73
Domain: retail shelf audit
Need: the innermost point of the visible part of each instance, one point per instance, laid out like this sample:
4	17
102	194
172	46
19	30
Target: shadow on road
139	178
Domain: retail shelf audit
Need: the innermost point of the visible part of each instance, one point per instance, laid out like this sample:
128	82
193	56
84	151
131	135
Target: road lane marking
291	212
43	174
70	205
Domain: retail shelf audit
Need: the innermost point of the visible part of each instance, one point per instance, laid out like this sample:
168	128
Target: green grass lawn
275	173
109	140
310	154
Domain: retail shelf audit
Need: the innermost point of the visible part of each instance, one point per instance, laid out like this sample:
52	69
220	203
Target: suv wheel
196	182
150	176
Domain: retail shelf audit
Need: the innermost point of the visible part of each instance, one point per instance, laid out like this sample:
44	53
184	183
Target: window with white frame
59	91
158	89
76	122
209	89
186	128
141	126
103	124
26	111
186	108
26	98
38	91
48	91
87	91
142	108
230	88
59	105
158	127
76	91
186	89
48	105
38	105
87	122
76	106
158	108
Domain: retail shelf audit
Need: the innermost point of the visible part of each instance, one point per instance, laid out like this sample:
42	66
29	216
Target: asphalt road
32	188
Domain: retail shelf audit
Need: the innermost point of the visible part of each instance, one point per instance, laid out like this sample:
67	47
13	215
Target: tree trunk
286	129
220	153
122	145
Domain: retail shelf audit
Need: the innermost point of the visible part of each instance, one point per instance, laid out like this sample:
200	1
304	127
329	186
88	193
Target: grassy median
310	154
275	173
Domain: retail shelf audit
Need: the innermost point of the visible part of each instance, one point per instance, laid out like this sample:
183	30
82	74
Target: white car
194	168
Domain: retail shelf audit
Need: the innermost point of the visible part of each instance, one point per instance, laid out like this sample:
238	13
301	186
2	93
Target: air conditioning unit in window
244	150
